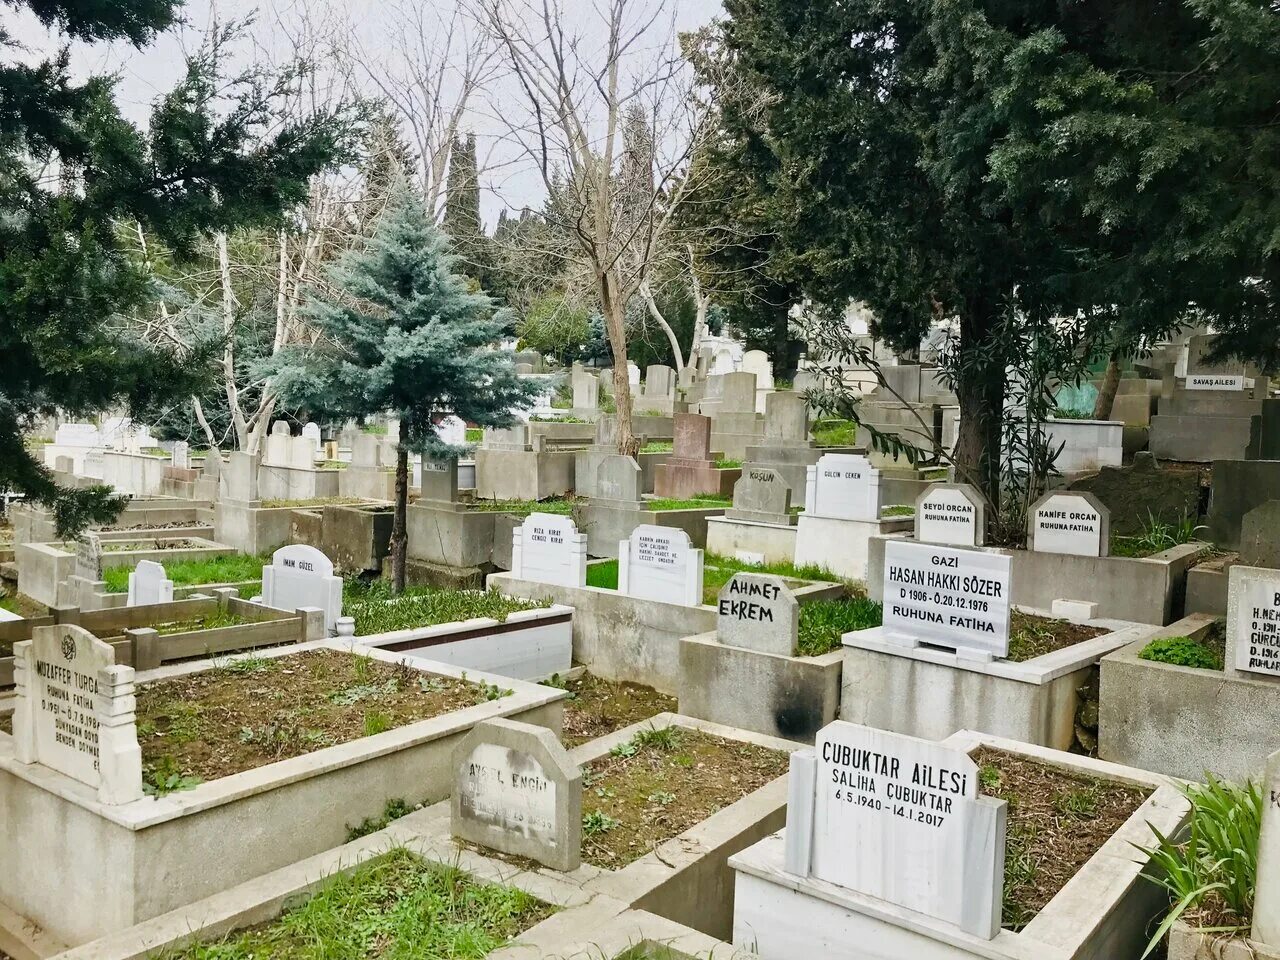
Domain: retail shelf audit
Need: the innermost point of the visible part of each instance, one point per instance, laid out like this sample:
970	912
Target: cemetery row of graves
762	689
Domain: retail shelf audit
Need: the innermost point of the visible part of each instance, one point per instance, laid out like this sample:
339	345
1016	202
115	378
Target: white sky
148	73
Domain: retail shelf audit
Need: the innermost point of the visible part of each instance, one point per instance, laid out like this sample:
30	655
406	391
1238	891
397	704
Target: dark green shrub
1182	652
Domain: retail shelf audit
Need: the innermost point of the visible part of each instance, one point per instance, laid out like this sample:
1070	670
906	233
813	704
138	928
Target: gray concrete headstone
786	418
89	557
761	495
757	612
739	393
1260	536
619	478
517	791
440	480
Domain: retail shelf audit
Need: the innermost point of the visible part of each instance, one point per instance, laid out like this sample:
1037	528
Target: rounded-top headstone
757	612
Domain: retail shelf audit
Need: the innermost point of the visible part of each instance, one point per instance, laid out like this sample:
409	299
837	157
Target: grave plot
772	665
1200	694
240	571
597	707
240	751
976	846
953	653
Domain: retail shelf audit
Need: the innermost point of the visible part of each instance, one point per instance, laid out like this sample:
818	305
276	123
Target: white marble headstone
951	514
312	432
660	563
948	597
1069	522
148	584
181	455
1253	620
547	548
843	486
302	576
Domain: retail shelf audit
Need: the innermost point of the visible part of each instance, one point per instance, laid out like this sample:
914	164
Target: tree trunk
615	321
652	303
980	390
1110	384
399	524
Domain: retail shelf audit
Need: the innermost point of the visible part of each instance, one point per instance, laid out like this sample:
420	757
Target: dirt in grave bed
597	707
662	782
255	711
1057	821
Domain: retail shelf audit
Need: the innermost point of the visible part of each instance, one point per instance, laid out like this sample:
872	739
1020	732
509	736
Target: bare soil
1057	821
147	543
1031	636
597	707
633	803
257	711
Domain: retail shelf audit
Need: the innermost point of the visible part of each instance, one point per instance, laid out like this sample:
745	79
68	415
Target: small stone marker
1253	620
517	791
660	563
949	597
547	548
1212	381
75	711
89	558
951	514
843	486
301	576
438	481
757	612
1069	522
1260	536
761	495
180	457
148	584
1266	901
898	818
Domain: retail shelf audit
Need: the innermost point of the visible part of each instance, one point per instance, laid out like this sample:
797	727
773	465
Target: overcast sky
148	73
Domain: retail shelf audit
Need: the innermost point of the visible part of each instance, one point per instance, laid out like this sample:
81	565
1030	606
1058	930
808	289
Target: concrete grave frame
245	825
1100	914
931	693
35	524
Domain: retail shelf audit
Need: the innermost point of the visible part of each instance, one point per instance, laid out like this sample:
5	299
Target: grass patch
210	621
703	501
1207	652
597	707
475	434
835	433
376	429
424	606
898	510
725	464
245	715
658	446
824	622
313	502
561	506
538	418
236	568
662	782
397	906
717	571
1057	821
394	810
1032	636
806	571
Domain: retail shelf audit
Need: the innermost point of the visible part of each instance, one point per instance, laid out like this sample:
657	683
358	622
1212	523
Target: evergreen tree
406	337
214	155
462	211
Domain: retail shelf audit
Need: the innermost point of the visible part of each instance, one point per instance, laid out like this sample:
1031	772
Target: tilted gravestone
899	819
660	563
951	513
1072	522
301	576
74	711
517	791
756	611
148	584
547	548
761	495
1253	621
89	558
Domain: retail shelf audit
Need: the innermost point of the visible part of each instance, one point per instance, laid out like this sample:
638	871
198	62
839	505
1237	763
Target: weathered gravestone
438	481
311	431
899	819
952	514
1253	621
757	612
74	711
301	576
517	791
180	456
659	563
77	435
1069	522
1260	536
761	495
148	584
586	391
843	486
786	419
89	558
1266	901
547	548
619	478
948	597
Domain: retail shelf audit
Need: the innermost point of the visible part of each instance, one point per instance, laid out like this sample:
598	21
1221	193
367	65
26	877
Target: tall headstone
843	486
239	478
739	393
148	584
952	514
899	819
947	597
586	391
301	576
659	563
761	496
276	450
786	419
1253	621
756	611
74	711
619	478
180	457
311	431
1071	522
691	437
659	381
547	548
89	557
633	374
517	791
